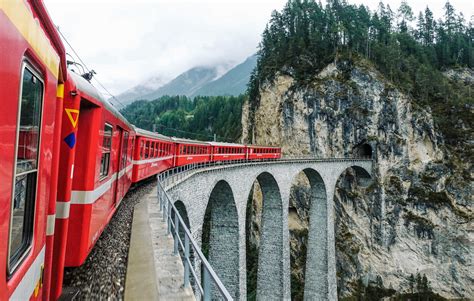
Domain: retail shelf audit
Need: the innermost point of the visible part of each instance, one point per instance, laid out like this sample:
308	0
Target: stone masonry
226	190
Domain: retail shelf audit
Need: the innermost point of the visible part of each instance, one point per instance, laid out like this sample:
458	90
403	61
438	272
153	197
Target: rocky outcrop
416	217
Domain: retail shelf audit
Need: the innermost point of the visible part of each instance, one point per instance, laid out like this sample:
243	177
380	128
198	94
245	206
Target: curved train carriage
67	157
153	154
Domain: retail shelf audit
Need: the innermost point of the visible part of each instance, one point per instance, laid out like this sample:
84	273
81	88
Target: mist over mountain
139	91
232	83
198	81
186	83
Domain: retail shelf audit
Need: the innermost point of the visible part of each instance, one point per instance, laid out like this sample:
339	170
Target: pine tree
429	27
449	18
404	15
411	282
420	28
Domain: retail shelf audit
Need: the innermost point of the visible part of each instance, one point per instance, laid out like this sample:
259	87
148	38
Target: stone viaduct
226	190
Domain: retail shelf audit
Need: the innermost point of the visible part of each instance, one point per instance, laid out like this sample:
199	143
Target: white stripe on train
27	285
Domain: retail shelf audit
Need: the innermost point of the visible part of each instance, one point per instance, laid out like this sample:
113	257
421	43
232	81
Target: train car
102	169
221	151
67	157
153	154
191	151
263	152
32	75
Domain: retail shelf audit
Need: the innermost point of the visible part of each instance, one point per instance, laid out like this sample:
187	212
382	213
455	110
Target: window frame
104	176
14	263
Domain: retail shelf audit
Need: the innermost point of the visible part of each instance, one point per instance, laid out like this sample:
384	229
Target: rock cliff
416	217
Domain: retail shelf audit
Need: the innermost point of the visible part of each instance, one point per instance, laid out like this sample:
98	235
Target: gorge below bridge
224	192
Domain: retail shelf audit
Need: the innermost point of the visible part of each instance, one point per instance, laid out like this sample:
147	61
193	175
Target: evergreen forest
200	118
411	50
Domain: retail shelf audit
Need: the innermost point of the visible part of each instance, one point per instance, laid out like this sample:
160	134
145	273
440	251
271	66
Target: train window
147	149
132	147
26	168
106	147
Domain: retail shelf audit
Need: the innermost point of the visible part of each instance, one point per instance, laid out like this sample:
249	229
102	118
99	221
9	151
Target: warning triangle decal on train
73	115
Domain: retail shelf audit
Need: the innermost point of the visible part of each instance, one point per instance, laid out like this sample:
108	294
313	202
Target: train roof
83	85
148	134
214	143
262	146
183	140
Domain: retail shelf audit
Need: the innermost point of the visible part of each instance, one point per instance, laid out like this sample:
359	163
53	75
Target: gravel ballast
102	276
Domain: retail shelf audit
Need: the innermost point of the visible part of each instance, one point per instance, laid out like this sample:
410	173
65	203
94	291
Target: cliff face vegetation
410	231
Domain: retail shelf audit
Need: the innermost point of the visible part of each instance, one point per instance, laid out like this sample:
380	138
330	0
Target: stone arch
346	198
270	254
316	267
316	271
356	175
184	215
220	238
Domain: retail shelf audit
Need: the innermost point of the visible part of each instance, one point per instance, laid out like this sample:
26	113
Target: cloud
126	42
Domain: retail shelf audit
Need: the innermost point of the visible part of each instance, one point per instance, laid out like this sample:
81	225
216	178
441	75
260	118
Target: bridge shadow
220	238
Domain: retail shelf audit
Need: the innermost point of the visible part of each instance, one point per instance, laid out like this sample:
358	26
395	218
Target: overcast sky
129	41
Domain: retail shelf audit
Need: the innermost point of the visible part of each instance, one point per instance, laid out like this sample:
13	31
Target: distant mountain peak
224	78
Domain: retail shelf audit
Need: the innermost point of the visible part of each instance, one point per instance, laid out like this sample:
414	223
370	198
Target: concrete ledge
140	283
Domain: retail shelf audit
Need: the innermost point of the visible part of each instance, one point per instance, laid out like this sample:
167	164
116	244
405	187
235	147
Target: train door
123	164
121	176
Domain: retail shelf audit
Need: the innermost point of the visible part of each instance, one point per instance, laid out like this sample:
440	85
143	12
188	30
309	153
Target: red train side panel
102	170
30	74
154	153
227	151
191	151
263	152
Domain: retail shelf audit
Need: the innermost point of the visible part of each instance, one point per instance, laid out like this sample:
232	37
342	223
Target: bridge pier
271	251
317	258
228	256
223	239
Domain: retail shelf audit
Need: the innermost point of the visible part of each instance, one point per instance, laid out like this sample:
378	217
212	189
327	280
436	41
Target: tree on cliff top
306	36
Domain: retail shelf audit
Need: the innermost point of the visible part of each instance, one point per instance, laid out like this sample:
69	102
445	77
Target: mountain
186	83
216	80
234	82
139	91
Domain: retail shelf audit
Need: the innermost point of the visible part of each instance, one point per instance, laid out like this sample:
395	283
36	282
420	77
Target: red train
67	157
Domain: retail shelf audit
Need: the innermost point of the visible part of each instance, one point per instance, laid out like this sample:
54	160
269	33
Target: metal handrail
169	209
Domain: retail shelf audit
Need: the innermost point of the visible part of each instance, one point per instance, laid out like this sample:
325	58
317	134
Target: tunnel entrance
362	150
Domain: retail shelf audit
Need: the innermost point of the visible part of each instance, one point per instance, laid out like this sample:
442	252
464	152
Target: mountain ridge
217	80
